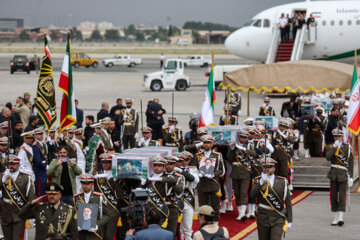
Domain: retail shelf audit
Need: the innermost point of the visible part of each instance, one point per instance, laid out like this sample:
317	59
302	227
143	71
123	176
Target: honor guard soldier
197	146
340	174
274	215
40	153
129	120
306	100
316	129
249	122
227	118
191	180
292	108
241	171
146	140
280	141
105	184
172	134
78	141
17	189
26	154
105	123
54	216
209	187
4	127
234	102
266	109
52	144
68	135
96	147
89	196
3	150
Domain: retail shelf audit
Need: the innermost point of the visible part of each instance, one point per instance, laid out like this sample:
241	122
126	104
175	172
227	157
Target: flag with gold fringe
45	95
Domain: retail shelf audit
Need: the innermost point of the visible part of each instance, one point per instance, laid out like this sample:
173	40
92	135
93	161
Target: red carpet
239	230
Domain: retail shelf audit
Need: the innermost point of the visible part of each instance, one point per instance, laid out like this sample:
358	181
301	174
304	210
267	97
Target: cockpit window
249	23
266	23
257	23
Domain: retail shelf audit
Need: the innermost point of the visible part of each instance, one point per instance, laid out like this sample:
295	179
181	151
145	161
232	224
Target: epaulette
22	147
257	177
78	194
35	142
97	193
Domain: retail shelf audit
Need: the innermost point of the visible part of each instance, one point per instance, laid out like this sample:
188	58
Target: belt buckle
11	202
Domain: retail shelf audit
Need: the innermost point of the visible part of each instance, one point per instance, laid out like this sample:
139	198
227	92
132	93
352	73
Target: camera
135	211
64	159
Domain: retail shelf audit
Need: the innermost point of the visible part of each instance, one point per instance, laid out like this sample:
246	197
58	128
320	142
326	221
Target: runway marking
252	227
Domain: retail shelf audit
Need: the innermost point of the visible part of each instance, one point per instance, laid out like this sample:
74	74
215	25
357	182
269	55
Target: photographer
63	171
152	218
193	136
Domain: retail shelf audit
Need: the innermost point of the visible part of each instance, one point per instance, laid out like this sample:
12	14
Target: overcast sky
122	13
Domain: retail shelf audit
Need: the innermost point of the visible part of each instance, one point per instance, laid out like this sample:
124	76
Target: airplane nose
230	43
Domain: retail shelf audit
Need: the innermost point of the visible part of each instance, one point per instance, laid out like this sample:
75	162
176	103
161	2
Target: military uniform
105	184
129	120
26	155
147	142
341	172
3	142
104	213
272	196
60	218
231	120
266	111
17	189
209	187
314	137
173	137
234	102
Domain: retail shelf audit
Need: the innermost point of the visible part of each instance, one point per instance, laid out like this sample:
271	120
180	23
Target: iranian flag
67	112
353	123
207	109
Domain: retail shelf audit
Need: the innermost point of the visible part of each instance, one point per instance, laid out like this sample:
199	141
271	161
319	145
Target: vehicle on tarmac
170	77
221	70
126	60
81	59
196	60
20	63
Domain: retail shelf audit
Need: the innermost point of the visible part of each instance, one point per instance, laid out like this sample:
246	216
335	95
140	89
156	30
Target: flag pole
357	190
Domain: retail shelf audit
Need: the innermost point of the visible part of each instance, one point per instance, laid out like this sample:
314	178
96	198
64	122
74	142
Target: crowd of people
47	173
290	25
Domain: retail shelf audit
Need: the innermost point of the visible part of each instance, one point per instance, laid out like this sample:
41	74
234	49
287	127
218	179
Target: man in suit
40	152
207	168
153	231
274	202
340	174
17	189
79	115
52	216
104	111
89	196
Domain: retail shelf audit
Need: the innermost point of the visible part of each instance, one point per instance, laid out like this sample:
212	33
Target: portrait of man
87	215
129	168
208	167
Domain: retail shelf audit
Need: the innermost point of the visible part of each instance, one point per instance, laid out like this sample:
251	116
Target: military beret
52	187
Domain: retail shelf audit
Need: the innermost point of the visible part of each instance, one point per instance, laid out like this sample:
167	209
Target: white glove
143	181
350	182
178	169
264	177
140	143
155	179
264	105
0	193
6	175
136	135
93	229
200	175
239	113
79	228
125	117
282	134
242	148
199	144
289	225
209	175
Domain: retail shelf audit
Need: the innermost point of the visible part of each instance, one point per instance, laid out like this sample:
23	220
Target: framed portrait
87	215
207	165
307	110
271	122
129	168
224	134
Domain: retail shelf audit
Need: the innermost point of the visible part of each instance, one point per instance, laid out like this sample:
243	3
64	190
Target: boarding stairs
290	50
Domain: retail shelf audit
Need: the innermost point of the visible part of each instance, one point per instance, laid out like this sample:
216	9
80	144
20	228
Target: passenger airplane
337	31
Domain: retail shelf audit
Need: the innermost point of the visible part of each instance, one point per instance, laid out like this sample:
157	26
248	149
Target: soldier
292	108
105	123
191	180
3	152
272	193
280	141
340	174
316	130
227	118
266	109
96	147
54	216
26	154
172	134
146	140
129	120
209	187
68	136
52	145
4	127
78	141
241	171
105	184
39	162
307	101
17	189
197	146
249	121
234	102
89	196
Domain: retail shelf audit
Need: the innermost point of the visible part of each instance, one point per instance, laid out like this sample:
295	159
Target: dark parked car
20	63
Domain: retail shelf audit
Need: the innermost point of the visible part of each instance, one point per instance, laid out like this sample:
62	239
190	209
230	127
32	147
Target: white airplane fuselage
337	31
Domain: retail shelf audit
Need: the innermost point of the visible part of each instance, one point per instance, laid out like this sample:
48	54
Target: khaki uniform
104	214
2	162
342	165
282	152
314	136
234	102
266	111
270	223
106	139
12	225
241	171
63	220
151	143
130	126
174	138
209	188
71	148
